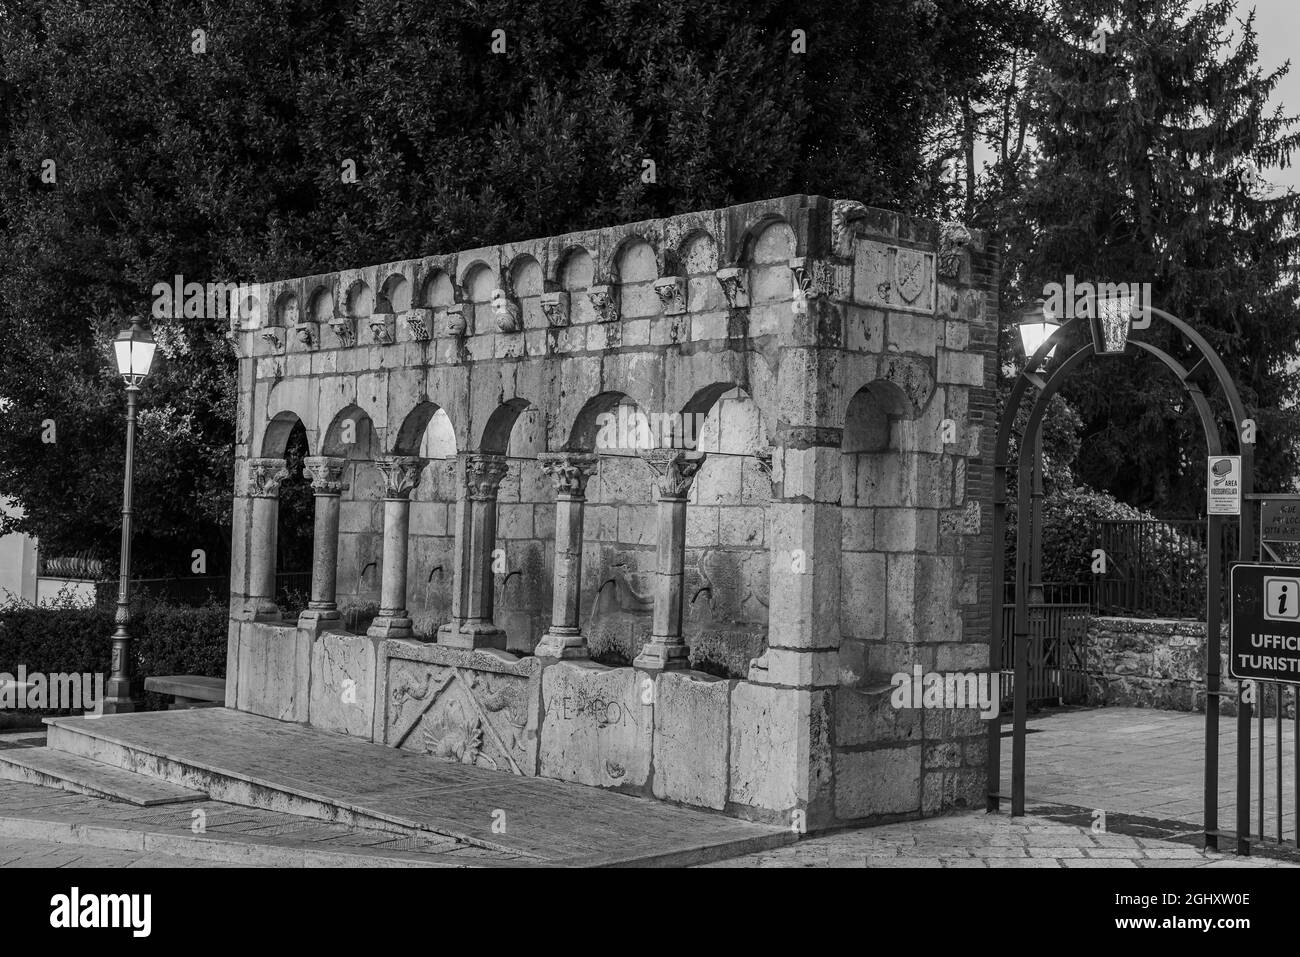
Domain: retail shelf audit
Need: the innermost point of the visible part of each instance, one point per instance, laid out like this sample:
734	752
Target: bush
1172	567
165	640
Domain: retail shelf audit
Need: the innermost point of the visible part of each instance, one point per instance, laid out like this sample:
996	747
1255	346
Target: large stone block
692	728
886	781
869	717
597	725
274	670
475	707
780	752
343	683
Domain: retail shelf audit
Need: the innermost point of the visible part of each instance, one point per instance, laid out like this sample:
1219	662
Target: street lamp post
1036	326
134	349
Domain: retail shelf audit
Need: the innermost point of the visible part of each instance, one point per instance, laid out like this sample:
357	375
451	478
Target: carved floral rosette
326	473
265	476
401	474
675	470
483	474
569	471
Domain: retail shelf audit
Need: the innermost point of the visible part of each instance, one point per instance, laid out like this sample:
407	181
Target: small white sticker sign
1223	485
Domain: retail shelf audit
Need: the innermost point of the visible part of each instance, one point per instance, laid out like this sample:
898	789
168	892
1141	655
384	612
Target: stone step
245	759
249	850
231	786
70	772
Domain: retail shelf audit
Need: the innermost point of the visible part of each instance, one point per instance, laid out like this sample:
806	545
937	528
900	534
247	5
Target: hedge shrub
165	640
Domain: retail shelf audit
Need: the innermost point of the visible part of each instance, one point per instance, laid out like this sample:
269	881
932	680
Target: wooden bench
189	691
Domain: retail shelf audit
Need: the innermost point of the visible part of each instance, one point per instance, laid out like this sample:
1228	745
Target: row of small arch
870	405
633	260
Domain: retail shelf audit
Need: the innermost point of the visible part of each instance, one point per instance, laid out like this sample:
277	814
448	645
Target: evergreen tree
1146	151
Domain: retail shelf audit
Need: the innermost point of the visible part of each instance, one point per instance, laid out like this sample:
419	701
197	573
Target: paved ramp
245	759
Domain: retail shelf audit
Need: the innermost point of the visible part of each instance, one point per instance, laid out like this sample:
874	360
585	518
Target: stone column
806	532
401	476
675	470
570	472
476	534
264	478
326	473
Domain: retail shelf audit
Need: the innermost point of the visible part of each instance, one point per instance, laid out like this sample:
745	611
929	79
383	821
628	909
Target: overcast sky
1277	25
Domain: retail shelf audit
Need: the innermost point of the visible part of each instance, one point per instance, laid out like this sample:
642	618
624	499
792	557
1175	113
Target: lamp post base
117	697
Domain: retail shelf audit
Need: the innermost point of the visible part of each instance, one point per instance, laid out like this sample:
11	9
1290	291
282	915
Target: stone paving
29	813
21	852
544	819
1146	763
976	839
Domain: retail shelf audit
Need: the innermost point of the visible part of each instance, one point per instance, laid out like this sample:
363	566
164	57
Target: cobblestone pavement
19	852
976	839
1147	763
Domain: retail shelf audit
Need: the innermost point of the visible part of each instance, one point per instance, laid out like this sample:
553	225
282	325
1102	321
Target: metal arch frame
1209	364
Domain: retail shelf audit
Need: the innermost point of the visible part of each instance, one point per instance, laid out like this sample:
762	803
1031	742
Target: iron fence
1058	650
291	588
1155	568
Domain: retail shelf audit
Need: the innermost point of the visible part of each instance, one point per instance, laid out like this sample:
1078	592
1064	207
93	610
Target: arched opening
479	284
637	269
351	437
427	432
526	282
286	438
877	583
727	552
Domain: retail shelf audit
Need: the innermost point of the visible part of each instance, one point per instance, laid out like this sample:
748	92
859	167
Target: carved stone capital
456	324
604	300
675	469
419	323
272	339
813	278
845	214
483	474
954	237
401	474
380	329
671	291
506	309
345	330
265	476
555	305
326	473
306	333
569	471
735	286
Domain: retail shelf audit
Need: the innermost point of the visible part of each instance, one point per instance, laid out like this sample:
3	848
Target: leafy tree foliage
225	165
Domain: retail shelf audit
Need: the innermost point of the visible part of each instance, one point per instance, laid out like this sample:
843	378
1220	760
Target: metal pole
1036	526
117	696
1213	617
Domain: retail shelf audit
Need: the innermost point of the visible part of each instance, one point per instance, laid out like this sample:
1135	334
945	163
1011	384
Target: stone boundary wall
1155	663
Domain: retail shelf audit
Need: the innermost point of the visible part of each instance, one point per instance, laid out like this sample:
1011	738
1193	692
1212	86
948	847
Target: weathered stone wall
840	360
1157	663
